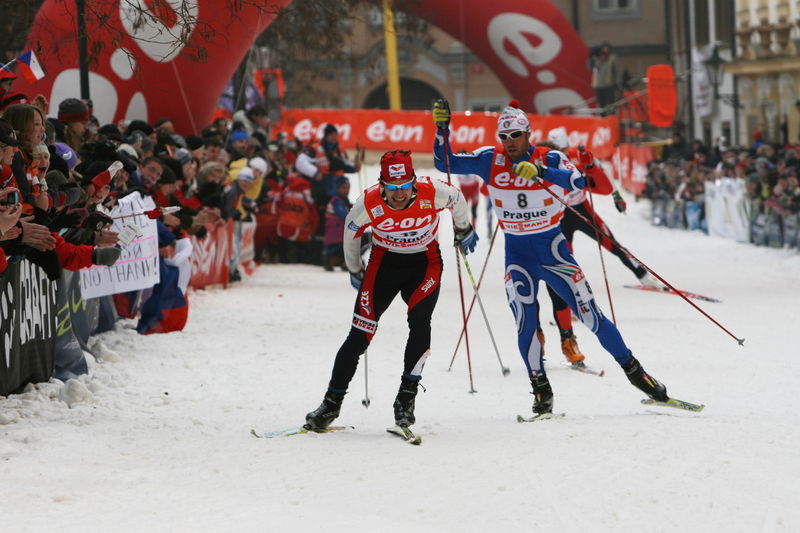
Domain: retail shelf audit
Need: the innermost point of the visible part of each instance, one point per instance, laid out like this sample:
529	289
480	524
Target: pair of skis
404	432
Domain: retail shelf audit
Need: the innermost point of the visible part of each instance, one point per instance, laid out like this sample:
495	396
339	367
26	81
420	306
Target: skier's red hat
396	166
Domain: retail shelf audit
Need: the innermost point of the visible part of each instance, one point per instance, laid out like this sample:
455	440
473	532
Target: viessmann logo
395	171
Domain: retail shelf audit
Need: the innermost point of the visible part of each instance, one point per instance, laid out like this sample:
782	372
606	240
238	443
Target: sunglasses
403	187
513	135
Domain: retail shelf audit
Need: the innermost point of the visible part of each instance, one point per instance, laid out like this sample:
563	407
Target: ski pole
629	254
600	251
458	266
472	303
366	401
503	367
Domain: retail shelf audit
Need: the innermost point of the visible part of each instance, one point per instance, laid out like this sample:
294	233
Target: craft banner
173	58
629	166
137	267
68	353
211	256
414	130
28	309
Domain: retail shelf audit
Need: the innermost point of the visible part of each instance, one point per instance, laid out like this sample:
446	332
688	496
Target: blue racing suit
534	245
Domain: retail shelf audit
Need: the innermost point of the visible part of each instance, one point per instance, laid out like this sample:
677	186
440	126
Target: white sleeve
357	219
305	166
448	197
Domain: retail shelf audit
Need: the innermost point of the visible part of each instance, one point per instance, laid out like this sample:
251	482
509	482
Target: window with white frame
615	9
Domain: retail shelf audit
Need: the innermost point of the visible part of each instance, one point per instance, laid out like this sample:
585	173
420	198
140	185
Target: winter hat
193	142
396	166
183	155
258	163
342	180
128	150
238	135
167	174
72	110
110	131
7	75
139	125
246	174
329	128
65	152
100	174
7	135
558	136
513	118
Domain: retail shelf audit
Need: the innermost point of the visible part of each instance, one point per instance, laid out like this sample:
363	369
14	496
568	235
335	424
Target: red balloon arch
530	46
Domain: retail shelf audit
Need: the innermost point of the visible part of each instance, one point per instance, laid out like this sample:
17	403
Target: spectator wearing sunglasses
403	212
522	193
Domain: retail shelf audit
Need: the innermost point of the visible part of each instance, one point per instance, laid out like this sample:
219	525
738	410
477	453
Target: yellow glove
441	114
527	170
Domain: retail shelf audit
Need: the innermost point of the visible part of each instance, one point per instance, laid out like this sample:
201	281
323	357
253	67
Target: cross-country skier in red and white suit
402	211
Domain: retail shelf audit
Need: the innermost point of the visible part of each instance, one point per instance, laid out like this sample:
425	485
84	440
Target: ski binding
677	404
405	433
540	416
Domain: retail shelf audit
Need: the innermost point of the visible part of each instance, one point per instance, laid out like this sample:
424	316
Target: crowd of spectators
678	184
62	171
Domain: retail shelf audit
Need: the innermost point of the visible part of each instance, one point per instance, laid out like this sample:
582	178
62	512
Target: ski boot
644	382
542	395
569	346
649	281
404	403
321	417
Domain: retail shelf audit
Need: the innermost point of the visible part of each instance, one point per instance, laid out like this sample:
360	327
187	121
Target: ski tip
601	373
254	433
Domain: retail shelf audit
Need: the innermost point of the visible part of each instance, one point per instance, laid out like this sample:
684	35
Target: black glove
64	219
356	279
466	238
106	256
97	221
619	202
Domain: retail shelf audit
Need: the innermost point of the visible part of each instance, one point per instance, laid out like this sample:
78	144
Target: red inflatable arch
529	45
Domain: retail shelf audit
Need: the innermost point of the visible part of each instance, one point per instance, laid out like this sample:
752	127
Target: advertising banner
377	129
28	308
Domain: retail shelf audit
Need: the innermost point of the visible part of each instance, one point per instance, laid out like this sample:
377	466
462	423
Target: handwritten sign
137	267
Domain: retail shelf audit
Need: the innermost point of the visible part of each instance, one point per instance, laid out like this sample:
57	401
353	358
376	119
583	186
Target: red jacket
73	256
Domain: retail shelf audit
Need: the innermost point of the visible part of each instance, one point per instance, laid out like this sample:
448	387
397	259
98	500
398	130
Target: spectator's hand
97	221
41	102
41	200
441	114
619	202
171	220
37	236
527	170
106	256
9	215
212	215
466	238
356	279
106	238
586	159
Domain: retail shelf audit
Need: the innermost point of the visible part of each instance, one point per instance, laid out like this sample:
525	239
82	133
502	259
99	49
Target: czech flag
30	67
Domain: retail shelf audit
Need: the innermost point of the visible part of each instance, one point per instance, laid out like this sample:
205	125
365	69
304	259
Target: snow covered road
157	439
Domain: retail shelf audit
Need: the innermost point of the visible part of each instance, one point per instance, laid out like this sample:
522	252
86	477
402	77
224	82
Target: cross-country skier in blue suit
534	245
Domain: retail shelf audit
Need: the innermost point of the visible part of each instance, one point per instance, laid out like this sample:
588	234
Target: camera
11	199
